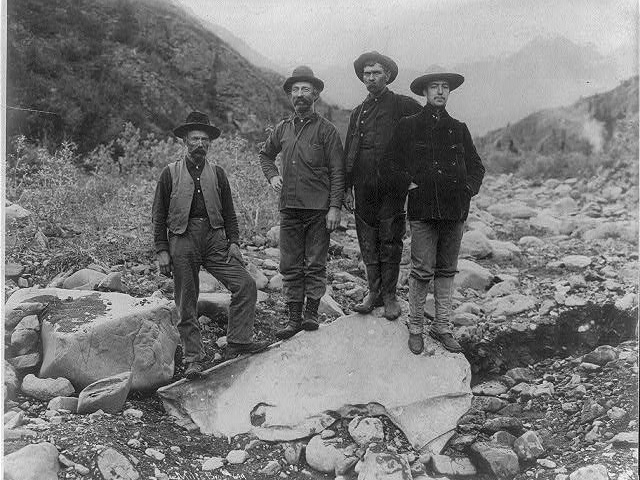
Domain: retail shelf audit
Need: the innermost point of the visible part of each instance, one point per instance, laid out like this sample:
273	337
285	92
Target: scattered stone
133	412
63	403
616	413
292	453
591	410
366	430
260	278
471	275
511	304
323	455
511	424
46	388
276	282
272	468
626	439
490	388
33	462
384	465
590	472
153	453
222	342
115	466
85	279
273	236
25	362
108	394
475	244
576	261
546	463
601	355
236	457
212	463
528	446
445	465
13	270
520	374
330	307
11	383
112	282
499	461
328	433
504	438
487	403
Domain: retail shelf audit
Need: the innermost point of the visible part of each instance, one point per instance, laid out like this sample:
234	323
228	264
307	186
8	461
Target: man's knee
421	274
445	272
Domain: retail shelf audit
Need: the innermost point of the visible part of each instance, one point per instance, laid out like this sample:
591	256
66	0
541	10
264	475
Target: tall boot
441	326
417	296
294	324
373	298
389	273
310	317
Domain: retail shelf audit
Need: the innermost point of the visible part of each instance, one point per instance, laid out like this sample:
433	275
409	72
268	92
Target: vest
182	195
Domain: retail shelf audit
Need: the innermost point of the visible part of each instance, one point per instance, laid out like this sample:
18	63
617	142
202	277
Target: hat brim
182	130
362	60
316	82
420	83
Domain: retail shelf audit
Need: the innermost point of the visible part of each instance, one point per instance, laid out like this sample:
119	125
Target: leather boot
441	326
294	325
417	297
310	319
389	274
373	298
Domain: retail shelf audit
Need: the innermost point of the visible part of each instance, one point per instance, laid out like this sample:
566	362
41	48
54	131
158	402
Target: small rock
46	388
521	374
222	342
323	455
213	463
64	403
133	412
546	463
590	472
236	457
490	388
499	461
81	469
528	446
616	413
488	404
384	465
601	355
272	468
626	438
108	394
511	424
503	438
115	466
366	430
153	453
292	453
445	465
34	462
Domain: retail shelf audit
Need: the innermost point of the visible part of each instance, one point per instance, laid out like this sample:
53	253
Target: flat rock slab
88	335
301	386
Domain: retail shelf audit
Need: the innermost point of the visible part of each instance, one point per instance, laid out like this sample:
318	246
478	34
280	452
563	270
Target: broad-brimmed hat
303	74
420	83
375	57
197	121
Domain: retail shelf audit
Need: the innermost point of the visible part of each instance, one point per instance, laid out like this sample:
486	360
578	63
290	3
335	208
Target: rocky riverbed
546	311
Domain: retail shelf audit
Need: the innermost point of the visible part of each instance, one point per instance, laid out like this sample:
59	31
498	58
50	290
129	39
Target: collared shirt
312	162
198	208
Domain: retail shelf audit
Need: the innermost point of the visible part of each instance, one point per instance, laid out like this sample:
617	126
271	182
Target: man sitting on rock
311	188
193	204
435	159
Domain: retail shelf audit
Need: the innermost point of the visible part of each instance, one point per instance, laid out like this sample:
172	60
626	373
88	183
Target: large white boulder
88	335
301	386
37	461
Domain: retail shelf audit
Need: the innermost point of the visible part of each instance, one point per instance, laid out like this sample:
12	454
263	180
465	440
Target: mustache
198	151
302	101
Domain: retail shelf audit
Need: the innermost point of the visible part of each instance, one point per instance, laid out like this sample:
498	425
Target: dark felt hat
375	57
197	121
303	74
420	83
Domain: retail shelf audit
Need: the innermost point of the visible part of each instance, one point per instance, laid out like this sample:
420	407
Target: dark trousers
304	244
204	246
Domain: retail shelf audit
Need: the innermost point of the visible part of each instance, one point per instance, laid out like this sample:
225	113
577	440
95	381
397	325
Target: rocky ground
549	274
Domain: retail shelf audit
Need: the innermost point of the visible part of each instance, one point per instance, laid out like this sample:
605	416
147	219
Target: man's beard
302	106
199	153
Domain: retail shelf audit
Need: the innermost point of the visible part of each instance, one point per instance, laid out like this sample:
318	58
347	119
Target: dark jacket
371	125
438	155
312	163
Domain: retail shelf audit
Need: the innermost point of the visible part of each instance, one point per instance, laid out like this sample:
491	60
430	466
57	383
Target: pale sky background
416	33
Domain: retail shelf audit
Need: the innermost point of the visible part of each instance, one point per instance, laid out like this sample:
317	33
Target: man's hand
348	202
164	262
333	218
276	183
234	252
412	186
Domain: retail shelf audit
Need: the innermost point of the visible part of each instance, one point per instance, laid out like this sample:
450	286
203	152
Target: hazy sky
415	32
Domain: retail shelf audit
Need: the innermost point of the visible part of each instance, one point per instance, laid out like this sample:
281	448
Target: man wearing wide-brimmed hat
195	225
311	188
379	210
435	158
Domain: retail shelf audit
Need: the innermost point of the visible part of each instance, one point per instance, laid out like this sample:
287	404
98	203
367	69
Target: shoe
310	318
448	341
294	325
389	272
236	349
193	370
416	343
373	298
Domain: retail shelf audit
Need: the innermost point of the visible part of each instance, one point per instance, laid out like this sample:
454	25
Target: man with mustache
434	157
379	210
195	225
311	188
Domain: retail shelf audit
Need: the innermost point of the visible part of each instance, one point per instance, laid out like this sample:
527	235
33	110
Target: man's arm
410	106
473	163
335	153
269	152
228	211
159	214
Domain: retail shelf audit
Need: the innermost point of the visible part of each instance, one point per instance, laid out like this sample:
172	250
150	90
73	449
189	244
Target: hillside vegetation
575	141
80	69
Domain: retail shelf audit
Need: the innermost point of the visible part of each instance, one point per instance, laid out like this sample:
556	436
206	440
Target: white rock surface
34	462
291	394
88	336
